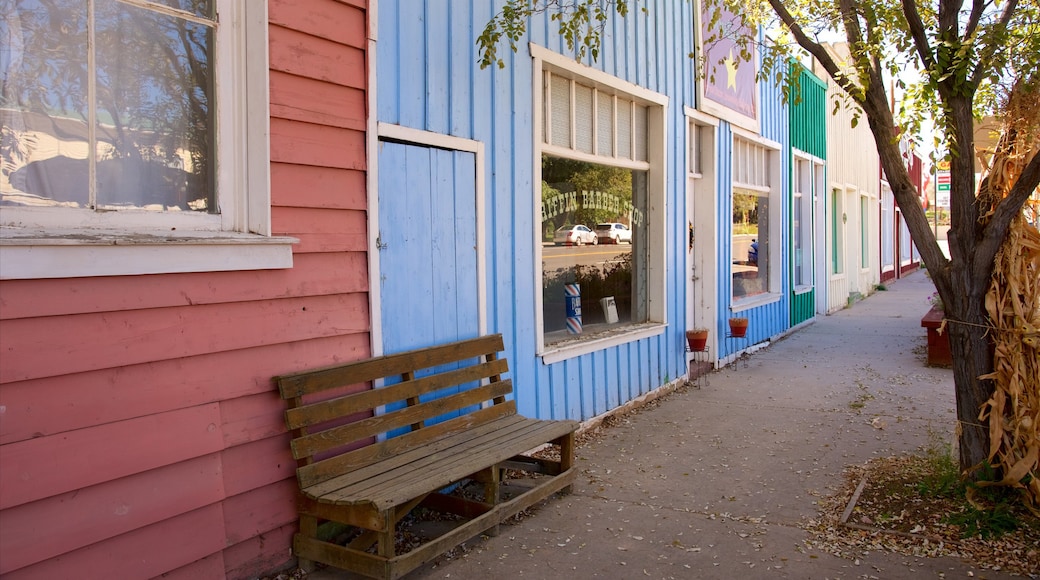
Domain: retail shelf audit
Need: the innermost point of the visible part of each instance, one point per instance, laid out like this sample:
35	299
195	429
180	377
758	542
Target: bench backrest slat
345	435
300	384
332	467
347	405
432	392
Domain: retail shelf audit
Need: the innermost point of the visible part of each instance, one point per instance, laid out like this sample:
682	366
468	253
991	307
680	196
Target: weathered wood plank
368	469
47	466
347	405
260	510
311	275
299	384
447	471
189	537
308	56
312	101
318	145
52	346
99	512
316	443
359	482
52	405
329	20
316	473
311	186
334	555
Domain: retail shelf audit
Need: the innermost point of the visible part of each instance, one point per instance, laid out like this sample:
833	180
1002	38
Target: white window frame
63	243
770	171
815	167
657	105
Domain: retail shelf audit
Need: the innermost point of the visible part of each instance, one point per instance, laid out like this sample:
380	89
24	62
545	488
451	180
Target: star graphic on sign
731	71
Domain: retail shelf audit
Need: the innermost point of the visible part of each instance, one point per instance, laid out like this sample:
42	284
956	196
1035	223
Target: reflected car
613	233
578	235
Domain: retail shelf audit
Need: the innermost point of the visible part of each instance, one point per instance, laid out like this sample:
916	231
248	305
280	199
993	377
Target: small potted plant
738	326
697	338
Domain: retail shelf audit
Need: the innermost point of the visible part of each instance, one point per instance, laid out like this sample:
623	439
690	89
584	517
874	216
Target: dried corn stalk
1013	304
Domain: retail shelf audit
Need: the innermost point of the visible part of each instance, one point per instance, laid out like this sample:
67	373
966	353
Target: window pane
800	259
154	114
43	106
838	231
624	129
560	96
604	125
202	8
576	193
583	118
640	128
864	239
750	244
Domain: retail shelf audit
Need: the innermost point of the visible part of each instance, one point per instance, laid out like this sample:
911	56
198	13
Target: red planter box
938	344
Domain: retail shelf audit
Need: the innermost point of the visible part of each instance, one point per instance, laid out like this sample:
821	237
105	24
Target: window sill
575	349
755	302
802	290
34	254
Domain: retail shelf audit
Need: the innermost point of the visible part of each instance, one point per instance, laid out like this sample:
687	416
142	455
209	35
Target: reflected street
567	257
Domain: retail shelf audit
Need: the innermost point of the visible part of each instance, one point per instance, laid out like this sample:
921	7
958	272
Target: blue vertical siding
428	79
768	320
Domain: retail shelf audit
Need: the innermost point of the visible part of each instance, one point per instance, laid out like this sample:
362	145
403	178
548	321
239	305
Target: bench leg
493	493
308	529
386	537
566	444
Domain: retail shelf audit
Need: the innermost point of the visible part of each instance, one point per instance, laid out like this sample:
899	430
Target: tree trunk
972	355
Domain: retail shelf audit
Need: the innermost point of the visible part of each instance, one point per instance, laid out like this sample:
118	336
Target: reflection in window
581	193
753	165
120	119
750	243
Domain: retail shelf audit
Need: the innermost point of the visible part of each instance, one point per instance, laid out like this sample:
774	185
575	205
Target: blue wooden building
480	175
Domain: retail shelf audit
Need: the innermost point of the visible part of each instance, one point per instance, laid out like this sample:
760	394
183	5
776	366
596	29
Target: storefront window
594	239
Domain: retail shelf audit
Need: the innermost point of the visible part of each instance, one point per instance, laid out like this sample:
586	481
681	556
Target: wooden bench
368	458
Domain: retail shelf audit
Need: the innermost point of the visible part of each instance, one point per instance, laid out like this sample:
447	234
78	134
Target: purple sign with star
729	81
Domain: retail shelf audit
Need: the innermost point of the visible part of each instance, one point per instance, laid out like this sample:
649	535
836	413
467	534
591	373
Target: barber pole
572	297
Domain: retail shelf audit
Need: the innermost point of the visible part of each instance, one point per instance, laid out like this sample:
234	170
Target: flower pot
697	339
738	327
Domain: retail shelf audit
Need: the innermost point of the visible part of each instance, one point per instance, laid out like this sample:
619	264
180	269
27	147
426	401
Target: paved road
714	482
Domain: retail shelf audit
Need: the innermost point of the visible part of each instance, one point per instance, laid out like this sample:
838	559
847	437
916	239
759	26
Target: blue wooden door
428	246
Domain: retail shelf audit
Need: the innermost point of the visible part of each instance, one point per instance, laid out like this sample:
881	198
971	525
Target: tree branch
989	51
816	50
918	33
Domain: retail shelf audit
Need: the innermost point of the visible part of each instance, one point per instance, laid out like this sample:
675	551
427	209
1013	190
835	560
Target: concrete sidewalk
714	482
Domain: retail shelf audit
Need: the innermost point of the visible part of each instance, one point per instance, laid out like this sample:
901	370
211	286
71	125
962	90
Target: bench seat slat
462	457
299	384
495	449
309	475
347	405
351	472
310	445
420	456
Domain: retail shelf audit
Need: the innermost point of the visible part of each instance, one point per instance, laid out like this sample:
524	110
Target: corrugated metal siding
769	320
808	134
141	434
808	115
852	163
419	45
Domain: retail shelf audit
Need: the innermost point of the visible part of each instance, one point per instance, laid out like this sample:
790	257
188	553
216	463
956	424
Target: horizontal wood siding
429	80
141	434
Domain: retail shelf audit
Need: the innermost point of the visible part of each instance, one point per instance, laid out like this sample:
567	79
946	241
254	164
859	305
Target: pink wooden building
140	433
